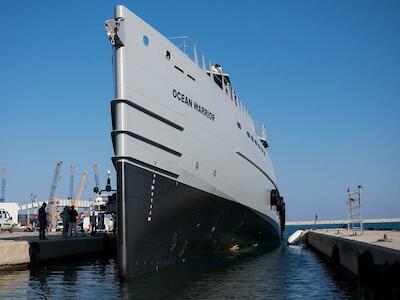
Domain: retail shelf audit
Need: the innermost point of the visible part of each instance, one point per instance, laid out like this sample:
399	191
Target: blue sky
323	75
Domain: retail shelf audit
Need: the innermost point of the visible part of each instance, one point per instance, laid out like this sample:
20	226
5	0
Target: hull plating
162	222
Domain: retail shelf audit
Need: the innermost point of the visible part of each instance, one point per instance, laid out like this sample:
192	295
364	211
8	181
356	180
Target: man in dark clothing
42	221
65	218
73	214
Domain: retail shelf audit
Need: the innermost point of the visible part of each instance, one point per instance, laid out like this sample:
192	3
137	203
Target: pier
25	248
341	221
373	257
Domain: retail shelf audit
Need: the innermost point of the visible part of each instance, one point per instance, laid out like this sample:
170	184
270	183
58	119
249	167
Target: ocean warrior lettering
204	111
193	104
181	97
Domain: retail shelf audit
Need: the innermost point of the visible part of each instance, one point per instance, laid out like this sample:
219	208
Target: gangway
61	203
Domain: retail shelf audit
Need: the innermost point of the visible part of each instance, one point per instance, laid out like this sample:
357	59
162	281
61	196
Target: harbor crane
96	179
53	205
3	184
71	181
56	178
81	186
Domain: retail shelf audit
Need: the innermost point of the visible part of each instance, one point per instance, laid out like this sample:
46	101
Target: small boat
297	237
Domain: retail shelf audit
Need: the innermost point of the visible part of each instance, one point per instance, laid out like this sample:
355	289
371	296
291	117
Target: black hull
178	223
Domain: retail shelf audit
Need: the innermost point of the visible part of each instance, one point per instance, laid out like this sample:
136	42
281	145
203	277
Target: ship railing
198	56
191	50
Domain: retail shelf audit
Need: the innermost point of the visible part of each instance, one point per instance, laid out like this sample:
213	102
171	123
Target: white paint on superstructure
205	153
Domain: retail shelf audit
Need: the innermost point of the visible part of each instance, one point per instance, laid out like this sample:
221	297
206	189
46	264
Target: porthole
146	40
167	55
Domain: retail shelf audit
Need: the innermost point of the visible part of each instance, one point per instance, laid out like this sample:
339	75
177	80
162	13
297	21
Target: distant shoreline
324	222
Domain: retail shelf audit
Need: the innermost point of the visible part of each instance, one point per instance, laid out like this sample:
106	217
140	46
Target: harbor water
284	272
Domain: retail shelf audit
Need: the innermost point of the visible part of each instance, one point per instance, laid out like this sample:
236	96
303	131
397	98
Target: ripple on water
281	273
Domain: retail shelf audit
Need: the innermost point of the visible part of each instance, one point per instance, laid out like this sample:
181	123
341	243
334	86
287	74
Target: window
252	139
238	125
146	40
168	55
248	134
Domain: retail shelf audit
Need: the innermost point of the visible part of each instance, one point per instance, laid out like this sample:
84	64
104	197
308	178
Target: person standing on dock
42	221
73	214
65	217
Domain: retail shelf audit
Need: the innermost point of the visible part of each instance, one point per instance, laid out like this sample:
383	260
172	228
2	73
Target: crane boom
56	177
3	184
71	181
80	189
96	179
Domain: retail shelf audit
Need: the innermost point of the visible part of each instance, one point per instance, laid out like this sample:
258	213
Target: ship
194	177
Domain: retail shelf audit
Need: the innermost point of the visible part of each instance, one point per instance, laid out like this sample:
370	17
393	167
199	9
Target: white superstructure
215	154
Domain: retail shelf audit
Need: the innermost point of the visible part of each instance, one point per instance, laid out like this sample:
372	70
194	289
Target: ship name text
193	104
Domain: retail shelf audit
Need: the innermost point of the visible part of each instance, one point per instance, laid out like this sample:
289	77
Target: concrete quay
342	221
21	248
373	257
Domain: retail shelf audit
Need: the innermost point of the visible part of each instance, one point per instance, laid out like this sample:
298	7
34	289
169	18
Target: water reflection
279	273
14	283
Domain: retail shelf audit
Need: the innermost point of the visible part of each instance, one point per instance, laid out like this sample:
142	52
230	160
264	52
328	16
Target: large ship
194	178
